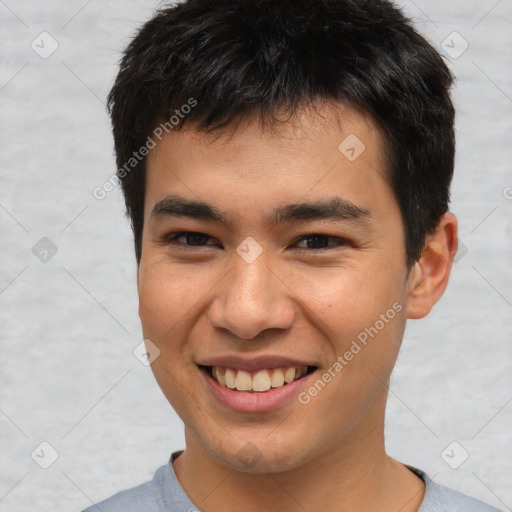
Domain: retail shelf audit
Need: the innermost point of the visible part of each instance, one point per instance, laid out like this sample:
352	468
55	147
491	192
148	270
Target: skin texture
205	300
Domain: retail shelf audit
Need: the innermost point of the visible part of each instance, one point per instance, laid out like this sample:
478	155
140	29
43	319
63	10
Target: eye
192	238
318	241
314	241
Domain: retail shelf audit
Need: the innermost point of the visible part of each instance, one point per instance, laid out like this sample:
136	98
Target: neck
358	475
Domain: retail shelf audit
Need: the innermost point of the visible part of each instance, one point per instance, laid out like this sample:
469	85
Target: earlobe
429	276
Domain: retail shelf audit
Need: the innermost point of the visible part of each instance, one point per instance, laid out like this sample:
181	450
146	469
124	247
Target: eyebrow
333	209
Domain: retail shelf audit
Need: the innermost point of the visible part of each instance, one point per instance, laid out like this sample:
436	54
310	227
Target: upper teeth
262	380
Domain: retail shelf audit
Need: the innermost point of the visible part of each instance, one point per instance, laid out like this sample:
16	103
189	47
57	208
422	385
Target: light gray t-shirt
165	494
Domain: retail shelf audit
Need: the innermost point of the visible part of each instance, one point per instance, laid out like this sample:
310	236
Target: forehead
331	149
321	128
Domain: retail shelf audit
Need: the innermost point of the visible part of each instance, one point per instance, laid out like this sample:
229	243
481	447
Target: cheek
166	296
360	313
346	297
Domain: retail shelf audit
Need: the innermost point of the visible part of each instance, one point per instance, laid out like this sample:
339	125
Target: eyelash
340	241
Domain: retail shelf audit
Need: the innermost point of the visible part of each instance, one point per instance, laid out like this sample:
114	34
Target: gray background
69	325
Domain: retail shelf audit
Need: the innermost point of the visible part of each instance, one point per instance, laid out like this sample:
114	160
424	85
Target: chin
261	456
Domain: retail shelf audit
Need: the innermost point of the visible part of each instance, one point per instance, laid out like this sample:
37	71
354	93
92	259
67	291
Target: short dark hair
258	57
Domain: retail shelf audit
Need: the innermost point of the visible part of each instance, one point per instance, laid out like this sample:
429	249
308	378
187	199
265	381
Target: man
286	168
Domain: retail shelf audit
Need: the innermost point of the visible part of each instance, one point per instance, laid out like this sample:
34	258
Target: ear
429	276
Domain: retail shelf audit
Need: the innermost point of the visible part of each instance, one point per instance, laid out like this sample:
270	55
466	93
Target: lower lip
256	401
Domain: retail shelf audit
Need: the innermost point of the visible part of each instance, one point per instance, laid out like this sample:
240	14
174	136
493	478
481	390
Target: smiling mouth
258	381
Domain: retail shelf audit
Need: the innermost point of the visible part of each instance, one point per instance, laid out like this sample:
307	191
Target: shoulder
159	495
441	499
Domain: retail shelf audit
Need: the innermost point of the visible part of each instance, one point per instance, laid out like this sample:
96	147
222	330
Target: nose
251	299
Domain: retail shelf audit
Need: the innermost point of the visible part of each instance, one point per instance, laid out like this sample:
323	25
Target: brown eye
318	241
191	238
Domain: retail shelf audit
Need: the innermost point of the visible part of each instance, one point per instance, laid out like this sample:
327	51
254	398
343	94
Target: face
294	269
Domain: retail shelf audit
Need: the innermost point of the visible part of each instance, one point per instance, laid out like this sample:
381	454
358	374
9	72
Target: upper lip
253	363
